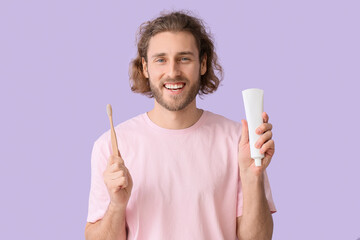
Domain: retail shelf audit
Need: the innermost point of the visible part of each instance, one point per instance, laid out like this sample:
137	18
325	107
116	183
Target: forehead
171	43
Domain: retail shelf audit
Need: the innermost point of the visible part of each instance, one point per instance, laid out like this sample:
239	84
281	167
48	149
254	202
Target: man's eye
185	59
160	60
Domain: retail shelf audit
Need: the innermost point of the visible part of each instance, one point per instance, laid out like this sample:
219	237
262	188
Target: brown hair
175	22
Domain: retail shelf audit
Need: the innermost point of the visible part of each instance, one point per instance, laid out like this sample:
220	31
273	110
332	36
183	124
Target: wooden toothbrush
113	135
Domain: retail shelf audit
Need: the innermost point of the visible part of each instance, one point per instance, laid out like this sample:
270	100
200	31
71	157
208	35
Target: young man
184	173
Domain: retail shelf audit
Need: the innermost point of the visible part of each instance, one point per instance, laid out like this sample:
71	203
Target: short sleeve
240	198
99	197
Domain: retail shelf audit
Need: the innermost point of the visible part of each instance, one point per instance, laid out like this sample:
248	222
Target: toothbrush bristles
108	110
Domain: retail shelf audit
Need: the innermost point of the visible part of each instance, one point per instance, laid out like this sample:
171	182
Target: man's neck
175	119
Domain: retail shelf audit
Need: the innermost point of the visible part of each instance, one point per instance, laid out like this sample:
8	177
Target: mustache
174	80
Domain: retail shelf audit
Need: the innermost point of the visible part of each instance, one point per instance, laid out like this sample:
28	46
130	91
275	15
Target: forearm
111	227
256	221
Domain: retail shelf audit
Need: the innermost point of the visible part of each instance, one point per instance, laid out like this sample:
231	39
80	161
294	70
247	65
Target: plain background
61	62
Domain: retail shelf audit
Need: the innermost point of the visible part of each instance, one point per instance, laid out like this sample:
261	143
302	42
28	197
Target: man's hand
265	143
119	185
118	181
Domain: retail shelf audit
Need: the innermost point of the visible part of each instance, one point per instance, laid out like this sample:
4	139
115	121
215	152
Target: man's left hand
265	143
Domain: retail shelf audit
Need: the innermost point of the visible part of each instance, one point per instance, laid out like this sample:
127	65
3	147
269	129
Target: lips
174	86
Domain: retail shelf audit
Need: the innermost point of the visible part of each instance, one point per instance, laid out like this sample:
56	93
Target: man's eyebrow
158	55
179	53
186	53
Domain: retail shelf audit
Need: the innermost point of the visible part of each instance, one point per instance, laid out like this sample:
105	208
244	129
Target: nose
174	69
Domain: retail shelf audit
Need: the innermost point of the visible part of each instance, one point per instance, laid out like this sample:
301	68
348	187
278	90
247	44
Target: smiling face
173	69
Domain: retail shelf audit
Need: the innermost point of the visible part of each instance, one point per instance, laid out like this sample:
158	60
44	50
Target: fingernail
258	130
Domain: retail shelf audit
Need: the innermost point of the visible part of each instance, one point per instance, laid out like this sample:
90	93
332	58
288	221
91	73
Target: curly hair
175	22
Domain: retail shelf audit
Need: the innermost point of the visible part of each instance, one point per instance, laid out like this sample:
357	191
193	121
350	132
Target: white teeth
174	86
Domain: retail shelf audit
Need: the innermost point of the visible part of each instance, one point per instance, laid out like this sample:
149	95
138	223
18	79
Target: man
184	173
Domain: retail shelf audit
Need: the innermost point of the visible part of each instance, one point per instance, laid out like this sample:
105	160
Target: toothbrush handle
114	140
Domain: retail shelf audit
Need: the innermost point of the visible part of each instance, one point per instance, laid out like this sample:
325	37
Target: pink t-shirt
186	182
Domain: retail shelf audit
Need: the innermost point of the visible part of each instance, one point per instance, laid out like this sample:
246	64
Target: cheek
156	73
194	71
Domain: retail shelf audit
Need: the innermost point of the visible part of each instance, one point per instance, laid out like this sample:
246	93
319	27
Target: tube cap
257	162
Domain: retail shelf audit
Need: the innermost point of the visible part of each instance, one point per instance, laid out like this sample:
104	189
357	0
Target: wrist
251	170
113	207
251	176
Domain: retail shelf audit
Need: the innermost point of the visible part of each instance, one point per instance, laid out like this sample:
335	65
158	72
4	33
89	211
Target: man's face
174	69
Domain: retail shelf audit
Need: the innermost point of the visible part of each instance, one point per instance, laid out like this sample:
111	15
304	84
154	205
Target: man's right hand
118	181
119	185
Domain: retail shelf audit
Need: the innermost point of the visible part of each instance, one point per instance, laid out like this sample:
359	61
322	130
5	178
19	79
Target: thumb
114	157
244	132
111	160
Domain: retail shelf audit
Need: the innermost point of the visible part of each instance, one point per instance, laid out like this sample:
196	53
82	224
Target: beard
177	102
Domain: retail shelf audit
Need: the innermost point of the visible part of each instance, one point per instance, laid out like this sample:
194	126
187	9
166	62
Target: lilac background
61	62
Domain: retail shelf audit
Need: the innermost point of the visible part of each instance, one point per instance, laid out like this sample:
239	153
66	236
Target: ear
203	64
145	69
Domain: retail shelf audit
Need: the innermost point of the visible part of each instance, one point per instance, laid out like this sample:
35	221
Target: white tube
254	107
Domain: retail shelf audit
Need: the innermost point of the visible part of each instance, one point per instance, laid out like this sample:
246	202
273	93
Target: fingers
244	132
265	117
115	159
115	164
117	167
265	142
268	145
263	138
118	183
263	128
266	161
269	149
116	174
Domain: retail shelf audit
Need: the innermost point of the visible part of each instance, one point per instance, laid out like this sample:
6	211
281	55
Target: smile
174	86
